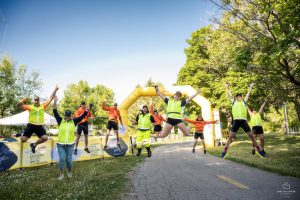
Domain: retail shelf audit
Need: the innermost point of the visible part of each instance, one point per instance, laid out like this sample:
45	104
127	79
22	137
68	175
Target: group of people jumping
67	144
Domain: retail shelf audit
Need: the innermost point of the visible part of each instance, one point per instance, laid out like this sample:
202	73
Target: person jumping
199	124
174	112
239	112
83	126
113	116
257	128
36	120
158	121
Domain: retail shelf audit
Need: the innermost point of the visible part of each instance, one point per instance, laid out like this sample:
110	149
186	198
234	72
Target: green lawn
283	154
93	179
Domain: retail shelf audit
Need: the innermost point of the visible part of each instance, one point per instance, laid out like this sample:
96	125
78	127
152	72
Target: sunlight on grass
283	154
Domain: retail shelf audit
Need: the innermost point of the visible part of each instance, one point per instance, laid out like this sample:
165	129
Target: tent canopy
21	119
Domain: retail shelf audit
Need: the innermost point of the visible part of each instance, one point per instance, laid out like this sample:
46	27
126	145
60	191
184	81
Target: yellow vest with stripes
66	132
174	109
36	115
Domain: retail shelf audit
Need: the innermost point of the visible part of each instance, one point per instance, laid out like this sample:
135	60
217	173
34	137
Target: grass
93	179
283	154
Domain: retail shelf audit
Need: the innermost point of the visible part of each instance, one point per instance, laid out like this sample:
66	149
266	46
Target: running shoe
69	174
87	150
61	177
260	154
32	147
224	154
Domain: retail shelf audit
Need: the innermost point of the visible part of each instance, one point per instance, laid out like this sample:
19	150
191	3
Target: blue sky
116	43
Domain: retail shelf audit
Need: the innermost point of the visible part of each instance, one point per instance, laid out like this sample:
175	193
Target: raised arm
248	93
56	115
52	96
151	110
21	102
159	93
249	111
229	92
104	107
193	96
262	106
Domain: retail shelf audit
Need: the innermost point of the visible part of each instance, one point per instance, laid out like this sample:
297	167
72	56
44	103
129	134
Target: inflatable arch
207	113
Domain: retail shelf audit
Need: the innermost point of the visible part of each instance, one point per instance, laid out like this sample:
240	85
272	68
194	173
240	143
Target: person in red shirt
199	125
158	121
36	120
83	126
113	117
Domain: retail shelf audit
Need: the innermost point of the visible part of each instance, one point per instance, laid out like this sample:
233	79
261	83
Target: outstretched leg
167	130
183	129
106	138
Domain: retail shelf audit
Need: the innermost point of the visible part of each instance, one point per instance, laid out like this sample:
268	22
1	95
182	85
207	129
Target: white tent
21	119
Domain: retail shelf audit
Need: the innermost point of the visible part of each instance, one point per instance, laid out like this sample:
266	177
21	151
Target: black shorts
37	129
112	125
257	130
157	128
82	127
240	123
198	135
174	122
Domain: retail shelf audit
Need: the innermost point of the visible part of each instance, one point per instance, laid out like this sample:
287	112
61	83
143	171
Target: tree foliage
255	41
74	94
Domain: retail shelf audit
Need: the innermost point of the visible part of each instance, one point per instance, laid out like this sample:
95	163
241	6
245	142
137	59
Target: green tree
74	94
269	35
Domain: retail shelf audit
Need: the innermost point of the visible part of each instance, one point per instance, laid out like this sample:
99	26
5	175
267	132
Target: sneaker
261	154
138	154
253	151
105	147
193	150
149	154
61	177
32	147
204	151
224	154
70	174
75	151
263	151
87	150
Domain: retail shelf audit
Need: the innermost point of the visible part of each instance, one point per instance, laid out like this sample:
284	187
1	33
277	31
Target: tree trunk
297	106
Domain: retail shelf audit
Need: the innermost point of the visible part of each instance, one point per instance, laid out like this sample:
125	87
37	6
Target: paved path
174	172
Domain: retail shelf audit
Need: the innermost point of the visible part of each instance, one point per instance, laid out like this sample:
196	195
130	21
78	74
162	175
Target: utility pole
286	120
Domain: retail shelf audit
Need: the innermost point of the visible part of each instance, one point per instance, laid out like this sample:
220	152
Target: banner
95	148
10	157
42	155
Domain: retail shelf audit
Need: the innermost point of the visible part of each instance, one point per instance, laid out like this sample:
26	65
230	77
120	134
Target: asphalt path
174	172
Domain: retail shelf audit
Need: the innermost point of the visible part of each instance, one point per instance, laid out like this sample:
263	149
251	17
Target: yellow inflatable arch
207	112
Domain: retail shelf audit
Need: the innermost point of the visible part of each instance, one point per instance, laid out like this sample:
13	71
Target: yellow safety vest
174	109
239	110
36	115
144	121
66	132
256	120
